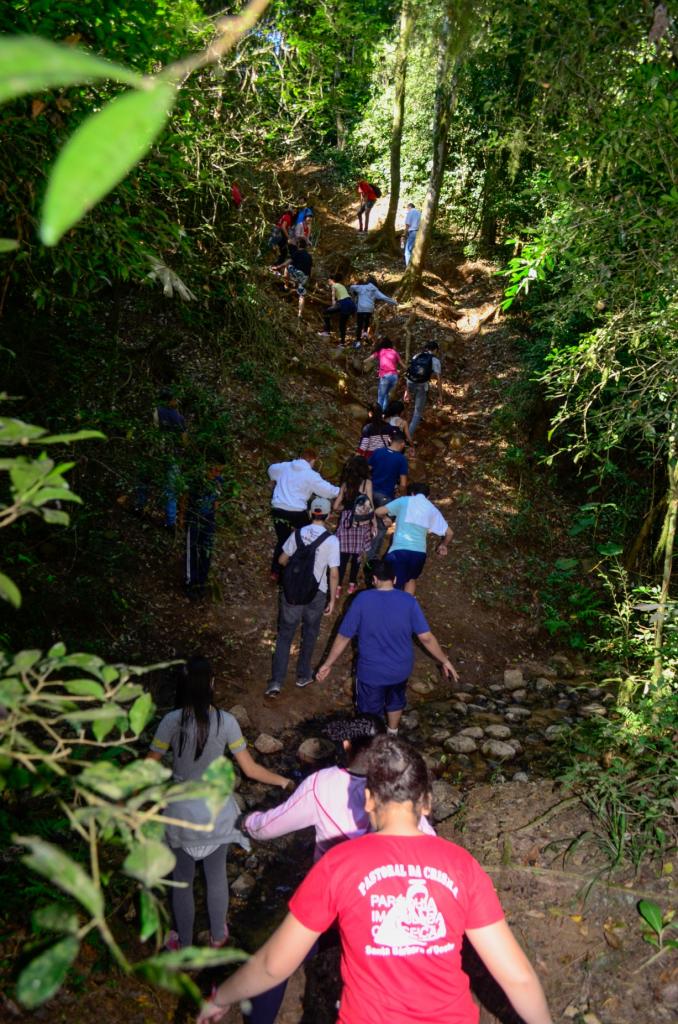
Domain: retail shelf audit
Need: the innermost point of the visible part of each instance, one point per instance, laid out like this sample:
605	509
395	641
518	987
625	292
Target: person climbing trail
200	521
415	517
389	359
395	893
281	232
342	306
368	197
297	270
295	482
174	435
304	597
366	295
355	505
412	221
422	367
197	733
393	414
389	469
376	433
384	620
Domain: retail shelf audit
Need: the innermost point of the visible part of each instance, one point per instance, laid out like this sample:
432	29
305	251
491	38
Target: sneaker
392	733
352	587
324	334
219	943
301	683
172	942
272	690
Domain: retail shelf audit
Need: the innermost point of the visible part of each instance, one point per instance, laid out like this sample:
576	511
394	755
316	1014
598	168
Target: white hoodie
295	483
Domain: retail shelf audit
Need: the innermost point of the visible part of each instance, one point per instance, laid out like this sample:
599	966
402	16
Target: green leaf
196	957
103	713
150	915
140	712
11	692
24	662
118	783
610	548
9	591
57	650
44	976
46	494
179	984
99	155
78	435
149	862
17	432
30	64
52	863
8	244
102	727
56	917
84	688
651	913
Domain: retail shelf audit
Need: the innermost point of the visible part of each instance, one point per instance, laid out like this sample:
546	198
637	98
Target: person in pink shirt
389	360
403	903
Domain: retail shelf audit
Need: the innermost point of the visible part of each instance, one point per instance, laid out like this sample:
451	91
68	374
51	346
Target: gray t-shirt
224	734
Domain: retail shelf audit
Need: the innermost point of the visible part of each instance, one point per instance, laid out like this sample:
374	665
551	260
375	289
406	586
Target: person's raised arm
338	647
435	650
498	949
272	964
339	500
297	812
442	547
256	771
323	488
381	512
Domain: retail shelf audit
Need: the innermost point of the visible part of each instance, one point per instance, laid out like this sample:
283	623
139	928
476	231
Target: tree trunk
386	238
667	546
454	36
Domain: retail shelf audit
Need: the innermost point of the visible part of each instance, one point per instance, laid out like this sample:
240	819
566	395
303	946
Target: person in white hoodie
415	517
295	483
366	295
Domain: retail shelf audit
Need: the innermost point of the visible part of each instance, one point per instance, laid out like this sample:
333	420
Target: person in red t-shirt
236	195
403	902
368	198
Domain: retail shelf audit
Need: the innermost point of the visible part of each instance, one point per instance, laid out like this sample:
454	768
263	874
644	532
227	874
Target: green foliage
659	925
571	607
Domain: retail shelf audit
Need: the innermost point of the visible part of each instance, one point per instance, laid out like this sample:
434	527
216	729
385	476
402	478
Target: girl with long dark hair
403	902
389	360
197	733
356	518
376	432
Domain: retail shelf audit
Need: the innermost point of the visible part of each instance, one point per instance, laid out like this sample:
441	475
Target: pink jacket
332	801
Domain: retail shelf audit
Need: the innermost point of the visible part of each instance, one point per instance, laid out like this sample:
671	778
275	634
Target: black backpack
420	369
362	511
376	190
298	579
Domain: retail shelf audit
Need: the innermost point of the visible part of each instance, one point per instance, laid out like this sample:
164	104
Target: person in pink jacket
332	801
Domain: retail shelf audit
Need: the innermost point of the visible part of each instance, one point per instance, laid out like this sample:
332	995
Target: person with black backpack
422	367
306	557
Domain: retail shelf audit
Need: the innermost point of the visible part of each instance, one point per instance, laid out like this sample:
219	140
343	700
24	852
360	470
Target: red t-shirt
285	221
402	904
367	191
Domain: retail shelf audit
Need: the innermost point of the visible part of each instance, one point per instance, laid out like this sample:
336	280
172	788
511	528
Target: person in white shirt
295	482
412	219
326	557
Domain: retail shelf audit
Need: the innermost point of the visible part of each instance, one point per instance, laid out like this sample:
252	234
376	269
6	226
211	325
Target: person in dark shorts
297	270
384	620
415	517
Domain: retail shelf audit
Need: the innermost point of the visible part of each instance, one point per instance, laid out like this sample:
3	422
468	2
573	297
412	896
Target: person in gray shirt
197	733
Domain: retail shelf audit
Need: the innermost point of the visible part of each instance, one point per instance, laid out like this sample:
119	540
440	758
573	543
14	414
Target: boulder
475	732
563	666
552	733
409	721
446	799
513	679
544	685
515	715
241	716
243	884
440	735
495	748
590	710
498	732
518	695
461	709
266	744
421	686
315	749
460	745
521	777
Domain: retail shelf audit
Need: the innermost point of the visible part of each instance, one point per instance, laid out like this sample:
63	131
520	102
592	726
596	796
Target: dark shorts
407	564
375	700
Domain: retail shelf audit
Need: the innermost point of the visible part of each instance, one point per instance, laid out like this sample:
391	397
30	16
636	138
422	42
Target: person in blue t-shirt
389	468
383	620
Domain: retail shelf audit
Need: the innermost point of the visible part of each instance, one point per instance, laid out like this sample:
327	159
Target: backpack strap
318	540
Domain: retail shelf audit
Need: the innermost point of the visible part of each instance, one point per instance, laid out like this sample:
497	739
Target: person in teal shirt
415	517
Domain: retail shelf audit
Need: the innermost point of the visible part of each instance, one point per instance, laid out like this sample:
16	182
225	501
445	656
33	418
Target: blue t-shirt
384	621
387	468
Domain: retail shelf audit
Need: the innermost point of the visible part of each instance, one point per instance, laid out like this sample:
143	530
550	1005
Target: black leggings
362	323
344	559
344	309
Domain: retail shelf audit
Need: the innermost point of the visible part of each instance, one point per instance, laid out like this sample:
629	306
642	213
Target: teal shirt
408	537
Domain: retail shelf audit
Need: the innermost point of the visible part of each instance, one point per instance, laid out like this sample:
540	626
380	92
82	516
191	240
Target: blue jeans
386	385
418	393
409	246
290	617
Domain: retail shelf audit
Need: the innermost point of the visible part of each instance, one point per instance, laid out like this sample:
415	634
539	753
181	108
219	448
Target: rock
241	716
520	777
495	748
440	735
421	686
315	749
498	732
544	685
513	679
553	732
243	884
519	695
464	696
516	744
474	731
431	763
446	799
496	688
266	744
563	666
517	714
589	710
410	720
461	709
460	745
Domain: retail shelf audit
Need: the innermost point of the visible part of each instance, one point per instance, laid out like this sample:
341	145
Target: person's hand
449	671
329	609
323	672
441	550
209	1011
288	786
406	395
